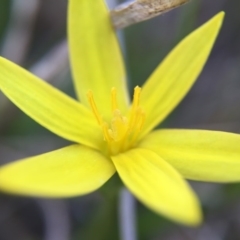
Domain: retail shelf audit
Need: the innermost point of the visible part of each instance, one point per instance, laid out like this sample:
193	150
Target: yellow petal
95	54
48	106
155	183
176	74
70	171
198	154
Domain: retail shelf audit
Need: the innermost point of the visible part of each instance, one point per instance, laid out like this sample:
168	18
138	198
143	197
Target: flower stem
127	215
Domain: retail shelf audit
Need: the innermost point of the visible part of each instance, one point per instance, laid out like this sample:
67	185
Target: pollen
121	132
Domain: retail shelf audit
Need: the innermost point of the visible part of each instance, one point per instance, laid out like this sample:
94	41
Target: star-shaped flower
110	134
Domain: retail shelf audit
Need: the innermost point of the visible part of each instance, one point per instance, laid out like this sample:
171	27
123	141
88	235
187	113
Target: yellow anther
114	99
94	107
136	97
120	133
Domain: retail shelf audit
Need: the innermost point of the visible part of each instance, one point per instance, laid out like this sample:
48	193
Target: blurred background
32	34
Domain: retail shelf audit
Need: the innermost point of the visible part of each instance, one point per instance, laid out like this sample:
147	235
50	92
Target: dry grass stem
136	11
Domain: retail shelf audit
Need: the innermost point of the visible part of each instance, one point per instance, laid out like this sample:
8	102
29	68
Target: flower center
122	132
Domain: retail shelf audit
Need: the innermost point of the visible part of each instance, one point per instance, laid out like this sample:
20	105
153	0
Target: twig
136	11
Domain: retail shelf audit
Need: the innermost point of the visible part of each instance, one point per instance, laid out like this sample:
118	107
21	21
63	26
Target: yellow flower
110	134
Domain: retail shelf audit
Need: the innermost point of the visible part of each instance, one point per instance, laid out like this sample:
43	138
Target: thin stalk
127	215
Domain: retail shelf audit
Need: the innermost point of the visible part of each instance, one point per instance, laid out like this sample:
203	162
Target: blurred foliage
213	103
4	13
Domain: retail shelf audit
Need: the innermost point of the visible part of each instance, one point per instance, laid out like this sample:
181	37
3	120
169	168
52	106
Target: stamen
119	125
106	134
120	133
142	120
94	107
135	104
136	97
